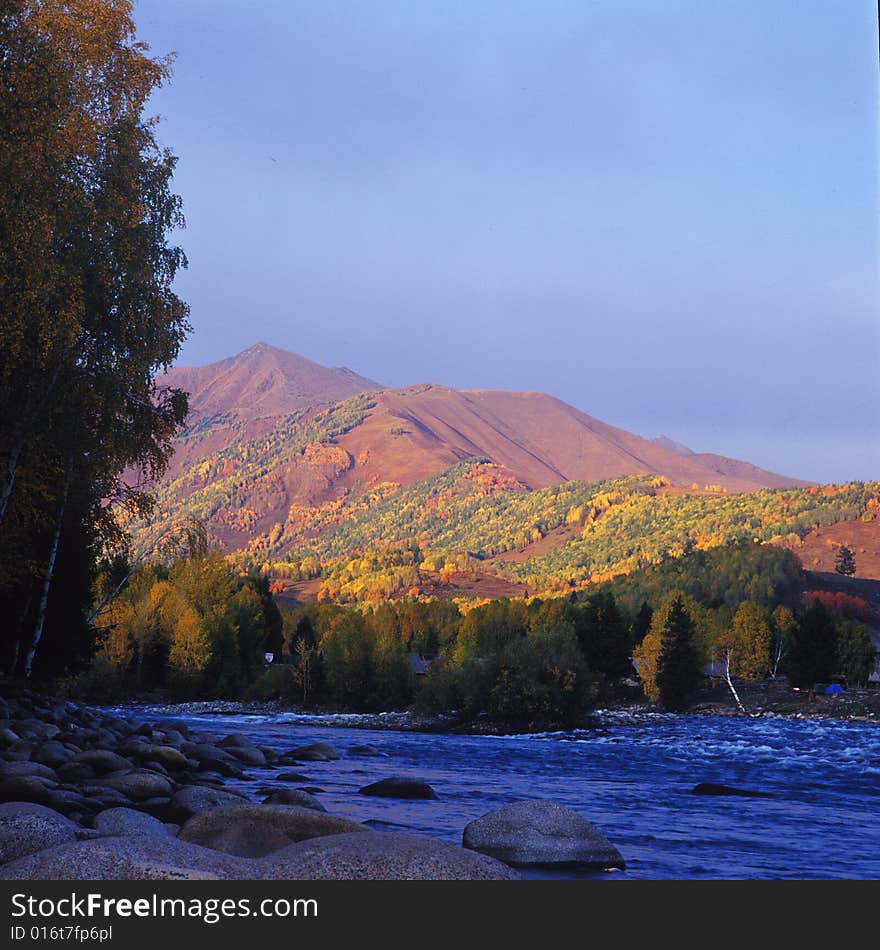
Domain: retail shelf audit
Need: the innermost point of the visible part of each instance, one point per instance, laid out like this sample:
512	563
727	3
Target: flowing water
631	775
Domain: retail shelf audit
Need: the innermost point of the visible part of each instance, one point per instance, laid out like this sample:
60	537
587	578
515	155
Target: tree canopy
88	316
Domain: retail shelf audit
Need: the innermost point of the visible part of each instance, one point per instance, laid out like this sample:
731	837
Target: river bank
762	699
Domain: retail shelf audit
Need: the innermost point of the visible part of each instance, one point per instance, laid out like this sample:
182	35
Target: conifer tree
678	665
845	562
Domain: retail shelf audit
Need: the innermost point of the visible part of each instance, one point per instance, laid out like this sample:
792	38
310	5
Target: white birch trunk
730	681
47	584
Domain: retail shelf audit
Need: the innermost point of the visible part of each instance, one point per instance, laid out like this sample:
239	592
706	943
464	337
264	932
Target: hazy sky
665	213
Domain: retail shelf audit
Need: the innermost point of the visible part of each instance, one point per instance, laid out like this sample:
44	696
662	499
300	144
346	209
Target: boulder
255	830
26	788
384	856
26	828
194	799
70	802
248	755
293	796
362	855
316	752
293	777
74	772
138	785
399	787
165	755
710	788
128	821
212	759
53	753
103	761
366	751
126	858
541	834
235	740
21	769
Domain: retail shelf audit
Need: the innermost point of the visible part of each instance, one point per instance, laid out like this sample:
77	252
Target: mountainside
416	432
282	456
245	395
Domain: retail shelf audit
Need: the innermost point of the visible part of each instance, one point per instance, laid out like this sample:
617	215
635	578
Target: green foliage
855	652
378	546
679	667
277	682
541	682
749	641
193	626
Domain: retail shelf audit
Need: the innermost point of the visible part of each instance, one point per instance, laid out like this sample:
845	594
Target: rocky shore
89	796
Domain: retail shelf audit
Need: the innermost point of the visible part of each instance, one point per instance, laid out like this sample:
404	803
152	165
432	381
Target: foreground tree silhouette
87	313
845	563
678	665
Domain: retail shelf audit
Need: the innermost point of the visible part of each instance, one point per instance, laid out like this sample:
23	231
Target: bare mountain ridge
418	431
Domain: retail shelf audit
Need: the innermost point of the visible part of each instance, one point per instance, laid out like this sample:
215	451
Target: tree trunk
26	421
47	584
22	620
11	472
730	681
780	652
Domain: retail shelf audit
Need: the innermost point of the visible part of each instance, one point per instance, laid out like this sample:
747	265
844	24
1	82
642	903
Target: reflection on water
631	776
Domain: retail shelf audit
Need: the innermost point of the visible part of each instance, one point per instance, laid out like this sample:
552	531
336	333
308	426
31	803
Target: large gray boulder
165	755
252	831
103	761
367	751
316	752
125	858
194	799
53	753
128	821
138	785
236	740
293	796
541	834
363	855
385	857
26	828
399	787
248	755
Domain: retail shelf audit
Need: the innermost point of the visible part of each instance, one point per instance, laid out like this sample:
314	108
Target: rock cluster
89	796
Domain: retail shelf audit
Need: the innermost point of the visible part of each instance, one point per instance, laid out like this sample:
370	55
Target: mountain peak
264	380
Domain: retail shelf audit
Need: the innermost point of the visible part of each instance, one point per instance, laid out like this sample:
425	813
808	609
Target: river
631	775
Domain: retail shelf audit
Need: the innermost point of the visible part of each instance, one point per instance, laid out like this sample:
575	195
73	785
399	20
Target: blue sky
664	213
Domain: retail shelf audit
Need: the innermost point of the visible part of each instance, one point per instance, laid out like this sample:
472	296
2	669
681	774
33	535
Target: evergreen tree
855	652
678	665
604	636
814	648
845	562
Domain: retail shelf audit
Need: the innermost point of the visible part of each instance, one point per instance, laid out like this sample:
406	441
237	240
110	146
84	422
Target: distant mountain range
282	455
